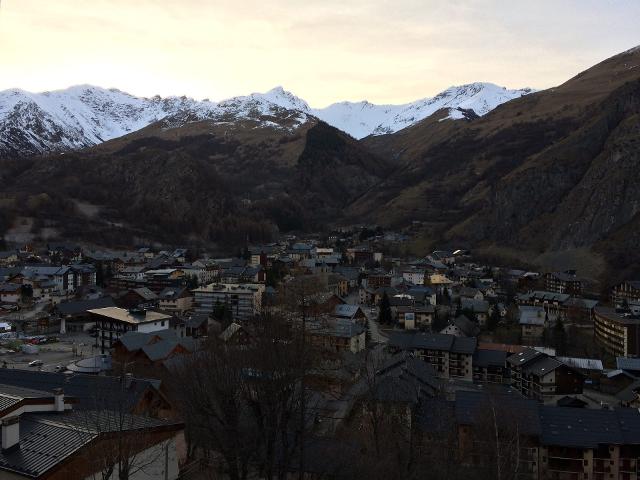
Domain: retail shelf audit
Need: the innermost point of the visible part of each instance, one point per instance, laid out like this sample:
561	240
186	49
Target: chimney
58	400
11	433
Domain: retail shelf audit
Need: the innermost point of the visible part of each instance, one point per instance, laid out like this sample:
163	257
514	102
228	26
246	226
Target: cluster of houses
145	308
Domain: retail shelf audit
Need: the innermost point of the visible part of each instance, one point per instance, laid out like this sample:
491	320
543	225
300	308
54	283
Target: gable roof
346	310
172	293
145	293
532	315
47	439
85	388
82	306
466	326
230	331
478	306
43	445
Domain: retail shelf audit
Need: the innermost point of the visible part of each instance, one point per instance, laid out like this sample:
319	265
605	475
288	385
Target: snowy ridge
363	118
83	116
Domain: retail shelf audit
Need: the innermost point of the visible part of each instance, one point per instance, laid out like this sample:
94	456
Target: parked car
36	363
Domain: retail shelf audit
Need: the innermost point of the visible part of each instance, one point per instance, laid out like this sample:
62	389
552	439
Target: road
26	314
53	354
372	316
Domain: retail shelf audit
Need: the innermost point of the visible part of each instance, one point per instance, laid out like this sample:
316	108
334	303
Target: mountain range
84	116
547	178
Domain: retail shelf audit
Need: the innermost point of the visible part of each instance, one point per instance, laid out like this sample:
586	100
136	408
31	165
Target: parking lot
68	349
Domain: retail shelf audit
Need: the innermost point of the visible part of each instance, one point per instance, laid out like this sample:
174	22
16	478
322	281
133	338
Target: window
162	323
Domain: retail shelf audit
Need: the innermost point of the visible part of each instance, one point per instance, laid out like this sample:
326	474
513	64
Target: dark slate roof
90	390
625	363
11	395
524	357
427	341
43	444
489	358
395	389
10	287
403	378
133	341
542	365
464	345
472	407
586	428
630	393
435	416
81	306
466	326
404	363
400	302
160	350
478	306
171	293
145	293
197	320
47	439
571	402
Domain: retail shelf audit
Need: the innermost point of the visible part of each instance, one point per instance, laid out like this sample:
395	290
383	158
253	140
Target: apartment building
539	376
451	356
563	282
244	300
626	293
617	332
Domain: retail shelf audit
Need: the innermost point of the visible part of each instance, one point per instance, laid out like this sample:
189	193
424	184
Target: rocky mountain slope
202	182
549	172
84	116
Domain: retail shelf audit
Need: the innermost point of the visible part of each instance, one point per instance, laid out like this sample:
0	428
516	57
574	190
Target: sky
384	51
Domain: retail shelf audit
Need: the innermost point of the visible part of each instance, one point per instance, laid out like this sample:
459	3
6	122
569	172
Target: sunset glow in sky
386	51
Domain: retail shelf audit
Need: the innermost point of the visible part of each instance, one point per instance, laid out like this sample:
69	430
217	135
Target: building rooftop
124	315
524	357
582	363
586	428
489	358
619	317
626	363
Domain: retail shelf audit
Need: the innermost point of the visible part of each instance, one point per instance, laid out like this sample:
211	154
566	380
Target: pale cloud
324	51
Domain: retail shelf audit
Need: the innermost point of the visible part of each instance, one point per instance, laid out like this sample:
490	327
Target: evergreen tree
446	297
440	321
493	320
384	316
99	274
559	336
192	282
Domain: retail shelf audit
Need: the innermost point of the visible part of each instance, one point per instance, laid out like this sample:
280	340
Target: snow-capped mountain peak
85	115
363	118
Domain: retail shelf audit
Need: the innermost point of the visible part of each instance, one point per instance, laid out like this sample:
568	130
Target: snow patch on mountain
363	118
84	115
